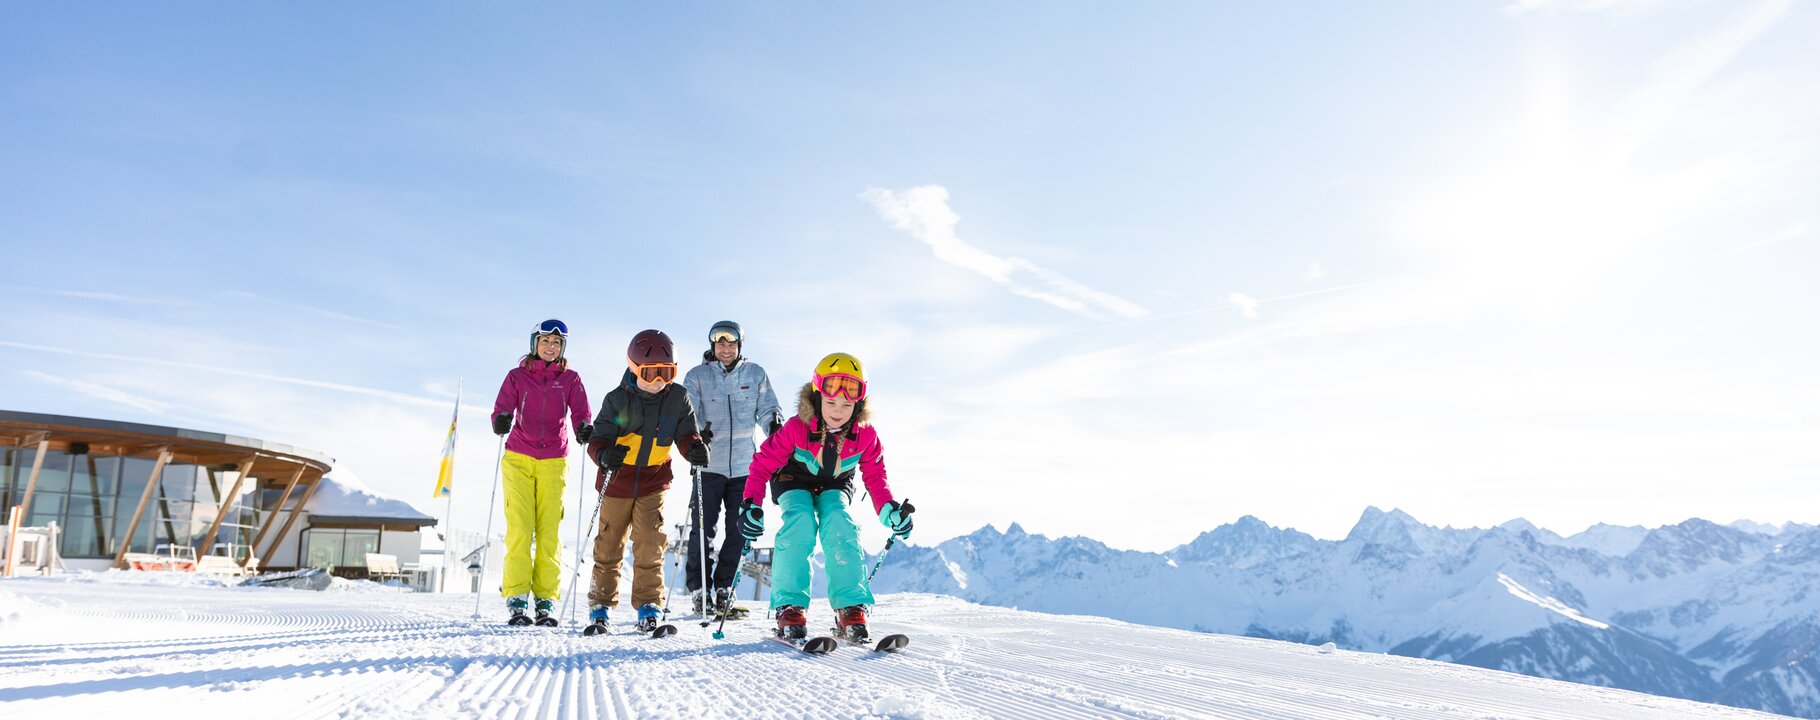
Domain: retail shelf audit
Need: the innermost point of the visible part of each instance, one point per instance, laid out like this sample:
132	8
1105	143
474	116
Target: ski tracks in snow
78	648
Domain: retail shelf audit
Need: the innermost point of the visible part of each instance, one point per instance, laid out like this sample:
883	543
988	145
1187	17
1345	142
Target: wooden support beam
44	446
145	498
266	559
273	516
227	503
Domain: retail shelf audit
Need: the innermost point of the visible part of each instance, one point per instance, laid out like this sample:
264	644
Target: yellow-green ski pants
533	514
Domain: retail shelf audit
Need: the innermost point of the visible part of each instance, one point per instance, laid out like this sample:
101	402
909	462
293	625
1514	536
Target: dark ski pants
723	493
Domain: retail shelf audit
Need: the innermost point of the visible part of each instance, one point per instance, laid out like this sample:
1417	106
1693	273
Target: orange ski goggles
655	372
841	385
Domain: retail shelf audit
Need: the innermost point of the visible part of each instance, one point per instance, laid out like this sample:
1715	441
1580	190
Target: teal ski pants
808	516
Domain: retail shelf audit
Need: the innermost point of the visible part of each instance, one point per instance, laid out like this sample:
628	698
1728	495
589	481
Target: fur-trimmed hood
809	408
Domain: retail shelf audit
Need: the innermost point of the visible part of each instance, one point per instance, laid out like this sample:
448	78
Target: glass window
54	477
94	475
45	509
358	544
8	456
324	548
87	513
179	482
80	536
173	524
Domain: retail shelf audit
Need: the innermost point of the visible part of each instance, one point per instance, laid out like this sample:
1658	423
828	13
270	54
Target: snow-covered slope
1695	610
112	646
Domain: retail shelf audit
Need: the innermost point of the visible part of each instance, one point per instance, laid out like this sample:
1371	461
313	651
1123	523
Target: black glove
707	435
502	423
583	433
751	522
612	456
697	454
775	424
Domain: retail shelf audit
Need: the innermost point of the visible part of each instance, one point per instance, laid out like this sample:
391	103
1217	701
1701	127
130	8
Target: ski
887	644
661	631
546	621
813	646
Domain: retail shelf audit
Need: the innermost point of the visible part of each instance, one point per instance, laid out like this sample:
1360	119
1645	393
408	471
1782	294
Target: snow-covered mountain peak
1244	543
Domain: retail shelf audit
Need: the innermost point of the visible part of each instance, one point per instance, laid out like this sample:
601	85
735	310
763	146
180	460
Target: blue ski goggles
552	326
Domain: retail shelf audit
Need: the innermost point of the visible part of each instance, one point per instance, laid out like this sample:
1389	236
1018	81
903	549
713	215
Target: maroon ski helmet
651	346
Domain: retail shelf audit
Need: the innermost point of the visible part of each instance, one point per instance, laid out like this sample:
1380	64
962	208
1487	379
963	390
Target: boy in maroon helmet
638	424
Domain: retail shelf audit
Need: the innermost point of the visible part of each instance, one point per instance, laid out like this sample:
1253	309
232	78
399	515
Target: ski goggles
723	334
549	327
841	385
655	372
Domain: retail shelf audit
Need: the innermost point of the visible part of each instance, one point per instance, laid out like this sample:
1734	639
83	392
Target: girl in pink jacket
809	465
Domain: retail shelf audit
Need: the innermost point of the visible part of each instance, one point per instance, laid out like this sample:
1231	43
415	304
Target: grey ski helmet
726	330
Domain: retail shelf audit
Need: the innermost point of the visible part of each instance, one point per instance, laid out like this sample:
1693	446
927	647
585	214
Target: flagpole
448	512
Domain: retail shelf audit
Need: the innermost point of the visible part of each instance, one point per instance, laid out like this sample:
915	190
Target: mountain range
1697	610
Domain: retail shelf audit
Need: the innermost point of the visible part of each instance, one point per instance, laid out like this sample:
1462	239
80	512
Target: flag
445	478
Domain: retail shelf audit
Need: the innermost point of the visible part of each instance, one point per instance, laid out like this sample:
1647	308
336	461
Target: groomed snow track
74	647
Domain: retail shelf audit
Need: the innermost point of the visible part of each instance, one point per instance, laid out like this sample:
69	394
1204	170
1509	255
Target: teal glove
897	517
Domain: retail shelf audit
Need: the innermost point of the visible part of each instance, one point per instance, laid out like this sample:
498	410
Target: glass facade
92	497
330	548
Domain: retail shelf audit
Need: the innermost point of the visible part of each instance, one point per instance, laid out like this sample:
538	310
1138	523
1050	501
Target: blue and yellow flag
445	479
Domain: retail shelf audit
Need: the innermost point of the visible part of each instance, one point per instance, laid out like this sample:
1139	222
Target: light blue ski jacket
737	400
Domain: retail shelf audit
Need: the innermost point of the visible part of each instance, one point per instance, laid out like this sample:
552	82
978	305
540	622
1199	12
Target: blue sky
1128	272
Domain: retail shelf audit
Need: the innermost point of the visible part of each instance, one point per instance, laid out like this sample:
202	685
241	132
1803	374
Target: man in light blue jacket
735	395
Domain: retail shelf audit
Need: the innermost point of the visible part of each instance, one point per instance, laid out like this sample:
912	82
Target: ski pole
488	538
580	546
738	570
568	609
701	530
904	509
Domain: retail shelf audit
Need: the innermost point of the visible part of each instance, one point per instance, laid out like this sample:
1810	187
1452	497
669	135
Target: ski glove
502	423
707	435
583	433
697	454
775	424
897	517
751	522
612	456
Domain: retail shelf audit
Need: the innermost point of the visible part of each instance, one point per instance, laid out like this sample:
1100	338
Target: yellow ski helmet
841	375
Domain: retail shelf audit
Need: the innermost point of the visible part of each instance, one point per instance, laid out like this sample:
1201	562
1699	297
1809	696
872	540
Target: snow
164	645
344	495
1548	603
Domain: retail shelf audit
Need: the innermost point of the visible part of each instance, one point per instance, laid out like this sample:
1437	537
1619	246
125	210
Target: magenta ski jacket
804	456
539	394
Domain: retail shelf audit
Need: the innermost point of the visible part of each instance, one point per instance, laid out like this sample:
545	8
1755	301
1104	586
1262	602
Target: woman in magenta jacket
539	395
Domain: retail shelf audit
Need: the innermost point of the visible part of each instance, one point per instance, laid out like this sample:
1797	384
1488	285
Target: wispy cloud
1611	7
92	295
102	392
1314	272
354	389
243	295
923	212
1800	229
1245	303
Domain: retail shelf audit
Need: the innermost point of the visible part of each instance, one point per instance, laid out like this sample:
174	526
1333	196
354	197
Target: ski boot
647	617
544	607
791	623
723	604
850	623
597	621
516	606
698	602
